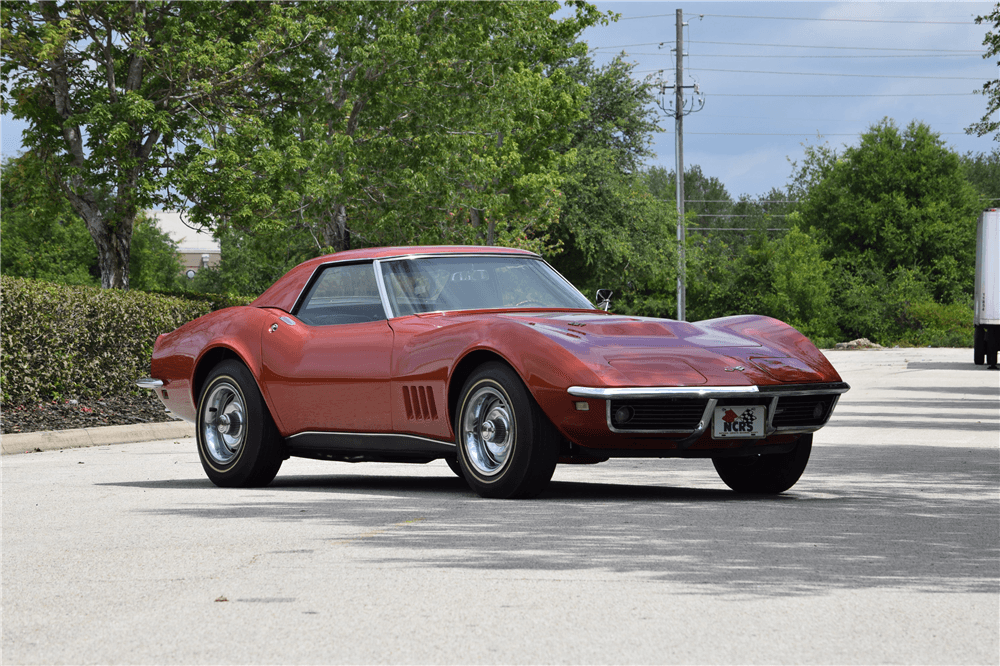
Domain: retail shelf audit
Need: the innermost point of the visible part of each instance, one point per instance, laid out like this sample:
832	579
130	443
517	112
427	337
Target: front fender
776	339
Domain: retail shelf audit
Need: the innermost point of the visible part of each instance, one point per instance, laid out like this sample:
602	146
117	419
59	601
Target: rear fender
184	358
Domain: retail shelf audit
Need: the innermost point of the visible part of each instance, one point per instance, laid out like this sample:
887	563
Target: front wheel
765	474
507	447
455	467
238	442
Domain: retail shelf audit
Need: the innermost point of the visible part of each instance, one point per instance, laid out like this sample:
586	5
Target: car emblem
734	369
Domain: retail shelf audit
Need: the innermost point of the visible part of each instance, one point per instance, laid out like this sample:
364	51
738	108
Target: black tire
979	345
455	467
507	448
238	442
767	474
992	344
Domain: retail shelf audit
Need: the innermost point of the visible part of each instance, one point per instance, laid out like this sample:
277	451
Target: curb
51	440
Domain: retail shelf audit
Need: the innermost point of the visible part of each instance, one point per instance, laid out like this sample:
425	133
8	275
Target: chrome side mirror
604	298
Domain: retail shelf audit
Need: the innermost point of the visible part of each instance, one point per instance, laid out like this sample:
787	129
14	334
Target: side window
342	294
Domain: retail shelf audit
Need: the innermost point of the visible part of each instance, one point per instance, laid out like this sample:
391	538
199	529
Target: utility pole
679	154
678	108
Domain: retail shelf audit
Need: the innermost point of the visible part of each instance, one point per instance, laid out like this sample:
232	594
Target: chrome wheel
488	430
224	422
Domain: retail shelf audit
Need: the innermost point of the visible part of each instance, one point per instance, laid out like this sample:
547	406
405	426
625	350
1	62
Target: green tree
252	262
410	122
612	232
705	197
800	291
44	239
990	121
116	93
983	171
900	199
154	263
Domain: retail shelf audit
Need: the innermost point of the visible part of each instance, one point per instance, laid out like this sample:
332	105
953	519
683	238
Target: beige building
198	249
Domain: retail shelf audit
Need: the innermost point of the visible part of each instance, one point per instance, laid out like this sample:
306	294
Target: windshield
434	284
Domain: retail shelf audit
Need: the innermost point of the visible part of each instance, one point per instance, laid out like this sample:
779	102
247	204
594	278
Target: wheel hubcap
487	430
223	422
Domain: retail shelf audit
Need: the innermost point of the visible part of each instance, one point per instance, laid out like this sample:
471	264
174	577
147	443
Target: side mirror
604	298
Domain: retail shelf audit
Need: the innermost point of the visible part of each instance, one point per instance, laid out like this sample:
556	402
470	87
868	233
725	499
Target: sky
778	75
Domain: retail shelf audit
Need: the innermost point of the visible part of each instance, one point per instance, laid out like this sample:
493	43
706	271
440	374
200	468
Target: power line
815	46
865	76
785	119
965	94
838	20
793	18
821	134
824	57
792	46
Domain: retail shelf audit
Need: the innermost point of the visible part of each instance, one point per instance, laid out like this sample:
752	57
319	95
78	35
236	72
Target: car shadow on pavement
946	365
992	391
909	517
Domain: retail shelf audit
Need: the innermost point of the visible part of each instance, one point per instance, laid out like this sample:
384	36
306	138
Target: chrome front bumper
712	395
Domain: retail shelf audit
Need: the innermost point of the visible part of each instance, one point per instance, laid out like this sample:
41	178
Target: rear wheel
979	345
992	345
506	446
765	474
238	442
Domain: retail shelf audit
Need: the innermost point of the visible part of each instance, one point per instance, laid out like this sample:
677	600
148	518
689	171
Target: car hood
644	351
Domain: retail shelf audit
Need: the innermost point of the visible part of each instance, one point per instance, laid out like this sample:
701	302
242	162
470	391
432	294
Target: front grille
665	414
796	411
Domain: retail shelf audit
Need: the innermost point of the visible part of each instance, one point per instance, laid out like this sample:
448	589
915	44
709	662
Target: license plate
736	422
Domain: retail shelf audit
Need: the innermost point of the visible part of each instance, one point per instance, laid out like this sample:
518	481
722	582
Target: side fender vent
419	403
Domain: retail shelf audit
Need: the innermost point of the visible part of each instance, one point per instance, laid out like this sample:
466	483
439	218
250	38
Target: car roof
283	293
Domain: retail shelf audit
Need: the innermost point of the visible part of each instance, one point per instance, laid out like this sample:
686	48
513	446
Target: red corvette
490	359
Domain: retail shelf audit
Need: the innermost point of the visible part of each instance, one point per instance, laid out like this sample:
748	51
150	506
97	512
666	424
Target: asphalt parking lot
887	551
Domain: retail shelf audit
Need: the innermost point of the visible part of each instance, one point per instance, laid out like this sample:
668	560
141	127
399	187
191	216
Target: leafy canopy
899	199
410	122
990	122
44	239
114	93
612	232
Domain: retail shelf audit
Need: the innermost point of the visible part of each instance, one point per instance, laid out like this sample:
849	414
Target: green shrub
936	325
60	341
873	304
214	301
898	309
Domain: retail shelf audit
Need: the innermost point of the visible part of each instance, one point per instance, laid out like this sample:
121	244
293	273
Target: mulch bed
82	413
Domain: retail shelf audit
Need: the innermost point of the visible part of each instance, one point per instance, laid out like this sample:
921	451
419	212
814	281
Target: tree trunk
113	255
112	238
476	221
336	235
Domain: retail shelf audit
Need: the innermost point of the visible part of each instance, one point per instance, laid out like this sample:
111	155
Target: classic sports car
488	358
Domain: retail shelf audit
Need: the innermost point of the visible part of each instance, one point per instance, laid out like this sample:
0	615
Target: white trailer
987	319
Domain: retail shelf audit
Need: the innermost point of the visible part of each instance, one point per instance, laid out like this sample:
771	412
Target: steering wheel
531	302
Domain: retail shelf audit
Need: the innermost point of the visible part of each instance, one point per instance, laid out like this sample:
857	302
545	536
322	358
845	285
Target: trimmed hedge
59	341
214	301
